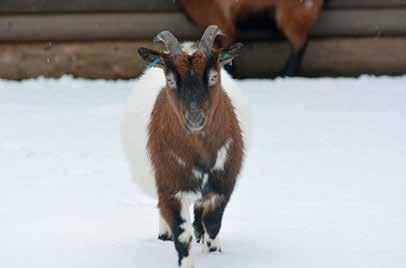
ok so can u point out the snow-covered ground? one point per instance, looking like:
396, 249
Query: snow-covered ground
324, 183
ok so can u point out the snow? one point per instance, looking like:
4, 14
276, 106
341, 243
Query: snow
324, 184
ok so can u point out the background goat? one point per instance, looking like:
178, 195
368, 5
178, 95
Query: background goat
184, 132
293, 17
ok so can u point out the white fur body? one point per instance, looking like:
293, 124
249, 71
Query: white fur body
137, 117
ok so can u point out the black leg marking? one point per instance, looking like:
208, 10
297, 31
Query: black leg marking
165, 237
294, 63
182, 246
212, 222
197, 224
212, 225
175, 213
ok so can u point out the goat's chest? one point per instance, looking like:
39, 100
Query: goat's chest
209, 156
191, 164
208, 162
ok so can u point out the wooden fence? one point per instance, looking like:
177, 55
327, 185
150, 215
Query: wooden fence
99, 38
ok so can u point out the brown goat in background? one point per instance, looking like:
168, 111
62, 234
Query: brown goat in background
294, 18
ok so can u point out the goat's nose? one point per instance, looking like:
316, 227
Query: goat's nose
196, 116
193, 106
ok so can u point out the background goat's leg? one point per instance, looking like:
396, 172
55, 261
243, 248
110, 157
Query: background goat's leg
294, 62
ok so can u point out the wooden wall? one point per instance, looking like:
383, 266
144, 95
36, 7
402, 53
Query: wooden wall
99, 38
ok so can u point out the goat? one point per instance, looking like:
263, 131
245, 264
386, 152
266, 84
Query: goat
293, 17
184, 133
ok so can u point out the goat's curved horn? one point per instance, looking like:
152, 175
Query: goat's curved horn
207, 41
170, 41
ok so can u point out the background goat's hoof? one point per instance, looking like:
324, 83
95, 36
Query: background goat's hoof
165, 237
288, 71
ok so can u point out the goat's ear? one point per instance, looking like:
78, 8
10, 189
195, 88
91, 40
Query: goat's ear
154, 58
227, 55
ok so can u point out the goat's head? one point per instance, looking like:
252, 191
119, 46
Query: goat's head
193, 82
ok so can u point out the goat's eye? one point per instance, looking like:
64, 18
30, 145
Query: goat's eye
213, 77
170, 80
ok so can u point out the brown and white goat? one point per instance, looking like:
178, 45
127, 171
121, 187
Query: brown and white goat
293, 17
184, 133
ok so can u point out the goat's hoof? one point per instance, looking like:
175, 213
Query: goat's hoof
214, 249
165, 237
186, 262
211, 246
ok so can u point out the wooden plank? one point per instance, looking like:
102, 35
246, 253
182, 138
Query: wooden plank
348, 57
384, 22
145, 26
87, 6
351, 4
106, 60
114, 60
94, 26
94, 6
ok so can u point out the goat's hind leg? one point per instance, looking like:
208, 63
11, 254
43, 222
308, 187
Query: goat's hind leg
294, 62
165, 232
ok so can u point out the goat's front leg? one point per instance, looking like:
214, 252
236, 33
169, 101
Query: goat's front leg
213, 209
176, 214
197, 223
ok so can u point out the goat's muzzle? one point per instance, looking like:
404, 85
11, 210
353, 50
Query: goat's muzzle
195, 120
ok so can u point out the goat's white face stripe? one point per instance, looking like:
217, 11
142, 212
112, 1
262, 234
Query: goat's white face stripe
222, 156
